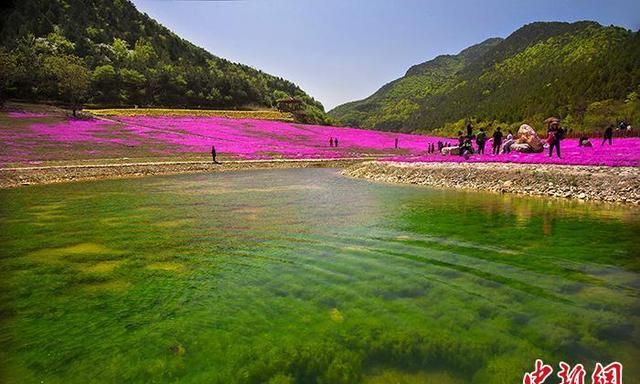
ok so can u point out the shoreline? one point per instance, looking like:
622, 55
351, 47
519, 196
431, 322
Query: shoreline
586, 183
15, 177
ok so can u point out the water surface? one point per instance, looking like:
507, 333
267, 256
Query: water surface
306, 276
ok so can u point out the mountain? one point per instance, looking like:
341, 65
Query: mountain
129, 59
586, 73
393, 104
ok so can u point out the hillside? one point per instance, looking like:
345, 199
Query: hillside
107, 53
585, 73
393, 104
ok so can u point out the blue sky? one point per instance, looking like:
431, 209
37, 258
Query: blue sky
344, 50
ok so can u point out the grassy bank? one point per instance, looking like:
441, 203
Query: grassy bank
231, 114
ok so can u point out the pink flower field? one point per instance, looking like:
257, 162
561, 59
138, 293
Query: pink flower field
35, 138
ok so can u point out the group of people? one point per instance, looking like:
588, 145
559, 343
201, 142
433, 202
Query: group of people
503, 144
624, 128
465, 142
333, 142
607, 136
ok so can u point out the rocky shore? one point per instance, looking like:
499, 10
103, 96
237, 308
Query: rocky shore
609, 184
22, 176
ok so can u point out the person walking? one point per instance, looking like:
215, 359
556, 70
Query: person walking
335, 142
608, 135
396, 143
497, 141
556, 134
469, 130
213, 154
481, 138
331, 141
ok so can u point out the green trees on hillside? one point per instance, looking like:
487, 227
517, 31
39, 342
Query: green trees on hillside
119, 57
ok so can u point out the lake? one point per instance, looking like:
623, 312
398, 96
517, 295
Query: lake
304, 275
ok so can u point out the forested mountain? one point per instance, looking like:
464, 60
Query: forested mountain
106, 52
586, 73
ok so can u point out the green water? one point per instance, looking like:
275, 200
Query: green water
306, 276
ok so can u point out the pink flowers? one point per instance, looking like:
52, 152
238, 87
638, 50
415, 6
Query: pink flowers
138, 137
623, 152
248, 138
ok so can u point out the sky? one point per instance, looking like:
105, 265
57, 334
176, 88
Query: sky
344, 50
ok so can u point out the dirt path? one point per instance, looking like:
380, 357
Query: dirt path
11, 177
189, 162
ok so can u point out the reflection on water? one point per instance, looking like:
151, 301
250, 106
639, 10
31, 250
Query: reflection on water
305, 276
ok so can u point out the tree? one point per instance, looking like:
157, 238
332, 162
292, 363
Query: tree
7, 73
143, 55
71, 76
104, 83
121, 51
55, 43
133, 85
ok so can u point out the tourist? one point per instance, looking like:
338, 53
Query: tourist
481, 138
622, 127
335, 142
506, 147
584, 142
331, 141
469, 130
396, 143
497, 141
466, 148
555, 135
213, 154
608, 135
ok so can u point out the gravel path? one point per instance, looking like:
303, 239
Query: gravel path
12, 177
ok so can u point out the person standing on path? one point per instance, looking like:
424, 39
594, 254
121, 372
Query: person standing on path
396, 143
481, 138
608, 135
335, 142
556, 135
213, 154
497, 141
331, 141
